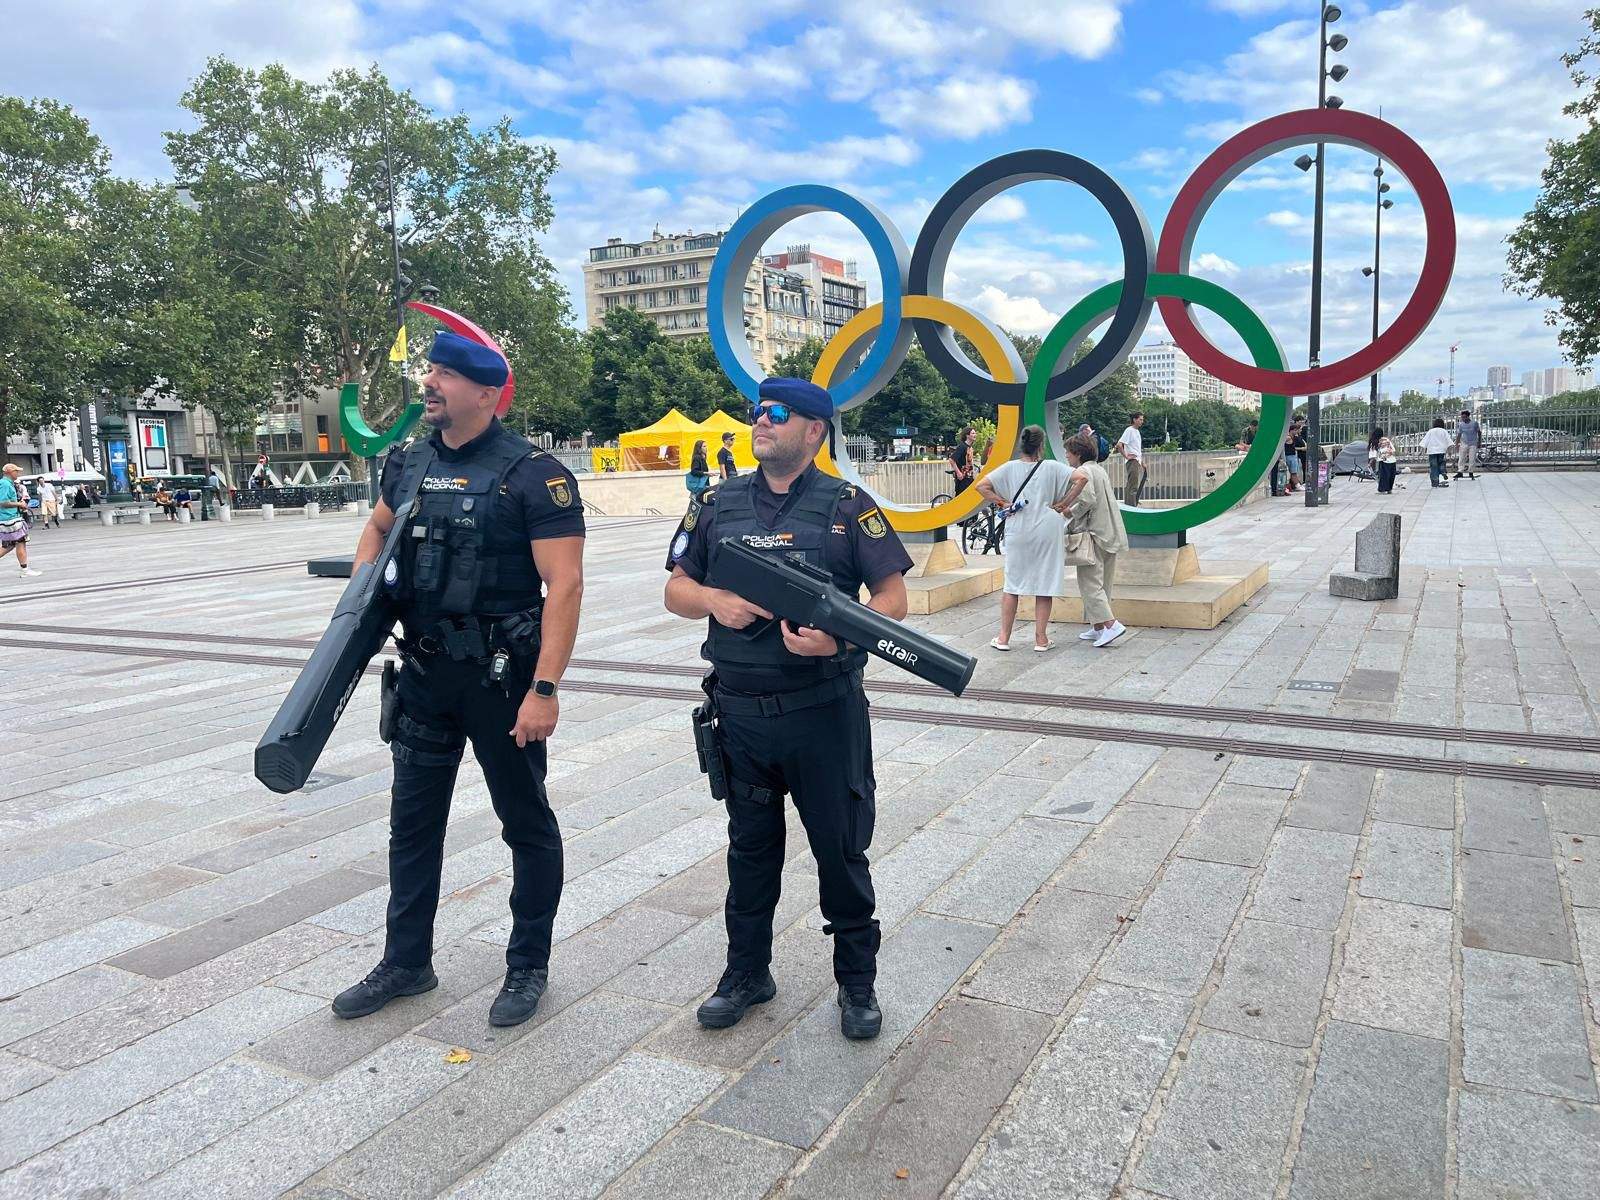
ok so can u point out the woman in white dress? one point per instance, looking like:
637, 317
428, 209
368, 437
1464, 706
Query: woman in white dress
1028, 487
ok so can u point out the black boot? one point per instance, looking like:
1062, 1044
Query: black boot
385, 982
519, 995
860, 1017
736, 993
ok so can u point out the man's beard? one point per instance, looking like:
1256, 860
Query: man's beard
435, 420
782, 459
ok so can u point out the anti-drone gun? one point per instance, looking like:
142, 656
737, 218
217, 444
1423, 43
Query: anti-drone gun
362, 620
793, 590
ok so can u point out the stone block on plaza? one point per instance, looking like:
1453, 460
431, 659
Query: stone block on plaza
144, 516
1377, 573
184, 516
267, 511
224, 512
107, 518
313, 510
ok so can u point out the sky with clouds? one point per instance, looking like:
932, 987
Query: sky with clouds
680, 113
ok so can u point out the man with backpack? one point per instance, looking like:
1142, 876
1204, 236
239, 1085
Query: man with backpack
1102, 447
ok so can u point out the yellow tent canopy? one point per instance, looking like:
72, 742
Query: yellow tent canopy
668, 445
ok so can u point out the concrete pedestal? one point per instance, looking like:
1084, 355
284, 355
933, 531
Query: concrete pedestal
184, 516
224, 512
1168, 588
267, 512
313, 510
363, 507
144, 516
107, 518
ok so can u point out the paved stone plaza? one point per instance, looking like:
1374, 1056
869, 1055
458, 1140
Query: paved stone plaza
1131, 948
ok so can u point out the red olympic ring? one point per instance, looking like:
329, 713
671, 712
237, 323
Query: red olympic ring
1242, 151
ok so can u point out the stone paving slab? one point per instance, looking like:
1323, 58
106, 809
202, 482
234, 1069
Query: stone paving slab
1151, 948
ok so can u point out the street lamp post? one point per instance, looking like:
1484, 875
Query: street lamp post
1330, 13
1380, 202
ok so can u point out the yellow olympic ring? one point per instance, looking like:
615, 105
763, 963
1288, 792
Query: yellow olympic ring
1003, 367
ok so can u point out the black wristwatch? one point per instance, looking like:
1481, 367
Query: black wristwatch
544, 687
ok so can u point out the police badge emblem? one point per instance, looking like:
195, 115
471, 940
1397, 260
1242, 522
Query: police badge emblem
560, 493
873, 524
692, 517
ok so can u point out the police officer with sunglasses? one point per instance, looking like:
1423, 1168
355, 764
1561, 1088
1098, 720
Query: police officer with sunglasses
791, 711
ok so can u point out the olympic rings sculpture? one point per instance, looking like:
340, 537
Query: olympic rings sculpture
1155, 273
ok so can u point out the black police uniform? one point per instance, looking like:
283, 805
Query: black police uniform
792, 724
469, 592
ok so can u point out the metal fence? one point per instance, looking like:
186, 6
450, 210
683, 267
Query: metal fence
1532, 433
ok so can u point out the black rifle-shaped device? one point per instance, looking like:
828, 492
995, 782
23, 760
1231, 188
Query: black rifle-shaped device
362, 621
793, 590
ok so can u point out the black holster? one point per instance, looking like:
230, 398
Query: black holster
389, 702
708, 747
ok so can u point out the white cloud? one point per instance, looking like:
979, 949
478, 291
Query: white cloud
1149, 95
1002, 209
1015, 314
1214, 264
959, 107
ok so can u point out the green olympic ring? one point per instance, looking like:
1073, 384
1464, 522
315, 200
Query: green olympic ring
361, 437
1258, 339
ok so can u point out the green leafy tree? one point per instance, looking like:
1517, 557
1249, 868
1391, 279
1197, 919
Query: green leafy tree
290, 179
1555, 252
50, 164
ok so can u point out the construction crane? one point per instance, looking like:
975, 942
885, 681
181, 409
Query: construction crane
1453, 350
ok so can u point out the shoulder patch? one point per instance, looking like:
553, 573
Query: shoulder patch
560, 493
872, 523
691, 518
847, 492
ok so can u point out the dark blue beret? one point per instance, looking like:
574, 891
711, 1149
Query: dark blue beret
804, 397
467, 357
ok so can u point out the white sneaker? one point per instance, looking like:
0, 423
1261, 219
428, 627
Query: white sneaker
1107, 636
1089, 634
30, 571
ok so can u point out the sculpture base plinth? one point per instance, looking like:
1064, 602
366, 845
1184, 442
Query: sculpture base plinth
1198, 596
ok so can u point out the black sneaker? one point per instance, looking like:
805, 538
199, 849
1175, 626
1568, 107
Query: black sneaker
519, 995
384, 983
1457, 475
860, 1018
736, 993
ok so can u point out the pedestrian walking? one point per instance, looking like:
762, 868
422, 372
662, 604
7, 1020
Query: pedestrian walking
1436, 444
725, 465
1095, 518
789, 709
1380, 453
488, 583
49, 503
1469, 436
1131, 446
1028, 488
13, 519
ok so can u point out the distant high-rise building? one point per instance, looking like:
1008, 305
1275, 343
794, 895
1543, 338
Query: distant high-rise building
787, 297
1167, 373
1533, 383
1499, 377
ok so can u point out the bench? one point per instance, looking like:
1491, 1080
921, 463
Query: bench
1377, 573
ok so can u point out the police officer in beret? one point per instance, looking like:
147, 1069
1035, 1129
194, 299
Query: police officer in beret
488, 587
792, 712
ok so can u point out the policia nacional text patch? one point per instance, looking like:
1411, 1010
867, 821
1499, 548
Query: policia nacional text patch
873, 524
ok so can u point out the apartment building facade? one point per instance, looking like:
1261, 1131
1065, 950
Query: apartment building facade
1167, 373
787, 297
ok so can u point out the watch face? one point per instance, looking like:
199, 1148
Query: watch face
543, 687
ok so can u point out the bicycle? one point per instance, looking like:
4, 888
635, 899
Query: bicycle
1492, 458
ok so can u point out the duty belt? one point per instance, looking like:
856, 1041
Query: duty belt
477, 638
775, 705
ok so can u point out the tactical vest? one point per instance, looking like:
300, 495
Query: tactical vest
448, 566
802, 530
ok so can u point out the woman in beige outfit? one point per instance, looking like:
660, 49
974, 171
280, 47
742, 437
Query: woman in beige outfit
1092, 508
